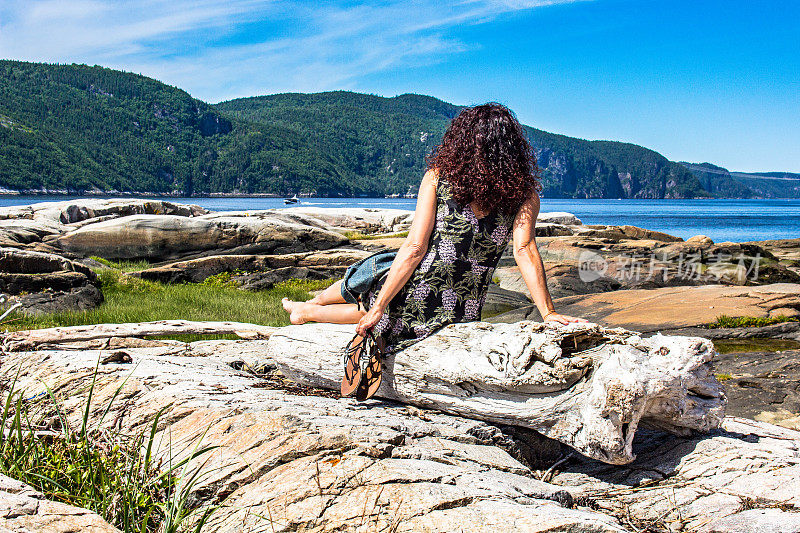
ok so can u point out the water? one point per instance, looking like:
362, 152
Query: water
722, 220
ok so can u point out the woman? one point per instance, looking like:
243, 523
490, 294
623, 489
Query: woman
481, 188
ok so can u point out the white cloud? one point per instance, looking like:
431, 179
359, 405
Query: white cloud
218, 49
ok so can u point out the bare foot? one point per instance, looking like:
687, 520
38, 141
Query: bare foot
295, 310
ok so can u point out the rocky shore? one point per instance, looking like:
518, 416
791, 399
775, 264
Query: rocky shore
293, 457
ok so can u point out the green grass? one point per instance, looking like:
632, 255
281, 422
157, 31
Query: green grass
125, 266
113, 474
358, 236
724, 321
129, 299
305, 285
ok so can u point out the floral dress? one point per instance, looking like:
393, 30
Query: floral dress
450, 283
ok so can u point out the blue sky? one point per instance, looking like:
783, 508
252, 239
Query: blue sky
701, 80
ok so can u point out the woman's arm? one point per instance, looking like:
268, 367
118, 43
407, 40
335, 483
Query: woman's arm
410, 253
530, 263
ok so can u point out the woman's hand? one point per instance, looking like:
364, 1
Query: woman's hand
562, 319
369, 320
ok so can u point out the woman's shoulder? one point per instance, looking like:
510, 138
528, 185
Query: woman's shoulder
438, 182
432, 175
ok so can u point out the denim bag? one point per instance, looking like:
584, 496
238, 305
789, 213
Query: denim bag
360, 277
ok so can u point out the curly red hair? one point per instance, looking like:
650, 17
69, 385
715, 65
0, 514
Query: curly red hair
487, 159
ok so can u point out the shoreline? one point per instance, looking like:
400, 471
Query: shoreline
103, 195
723, 220
6, 193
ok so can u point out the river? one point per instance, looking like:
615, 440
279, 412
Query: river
722, 220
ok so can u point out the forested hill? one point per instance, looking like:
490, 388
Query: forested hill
722, 183
75, 128
387, 138
78, 128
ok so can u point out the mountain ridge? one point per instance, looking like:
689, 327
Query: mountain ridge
734, 184
76, 129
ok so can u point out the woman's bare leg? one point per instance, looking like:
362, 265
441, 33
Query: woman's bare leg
302, 312
331, 295
328, 306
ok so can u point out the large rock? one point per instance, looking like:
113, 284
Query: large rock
673, 308
16, 232
581, 384
161, 237
45, 283
499, 300
563, 279
559, 217
82, 209
366, 220
788, 249
332, 262
705, 484
648, 263
23, 509
303, 460
27, 226
670, 308
789, 330
311, 462
370, 220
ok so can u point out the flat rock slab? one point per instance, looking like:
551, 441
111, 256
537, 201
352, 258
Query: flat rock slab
762, 385
563, 279
671, 308
642, 260
785, 249
82, 209
37, 282
357, 218
162, 237
385, 220
23, 509
290, 462
701, 485
755, 520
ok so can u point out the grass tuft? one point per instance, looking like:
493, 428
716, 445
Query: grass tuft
724, 321
223, 280
99, 470
125, 266
358, 236
306, 285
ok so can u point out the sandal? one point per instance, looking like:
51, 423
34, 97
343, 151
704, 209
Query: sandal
371, 369
353, 353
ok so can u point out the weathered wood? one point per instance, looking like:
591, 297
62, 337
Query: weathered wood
581, 384
29, 339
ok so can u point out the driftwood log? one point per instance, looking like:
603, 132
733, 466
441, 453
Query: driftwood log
581, 384
30, 339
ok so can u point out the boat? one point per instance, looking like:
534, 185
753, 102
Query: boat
293, 200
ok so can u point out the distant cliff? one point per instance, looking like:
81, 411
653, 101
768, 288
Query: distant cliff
722, 183
77, 129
